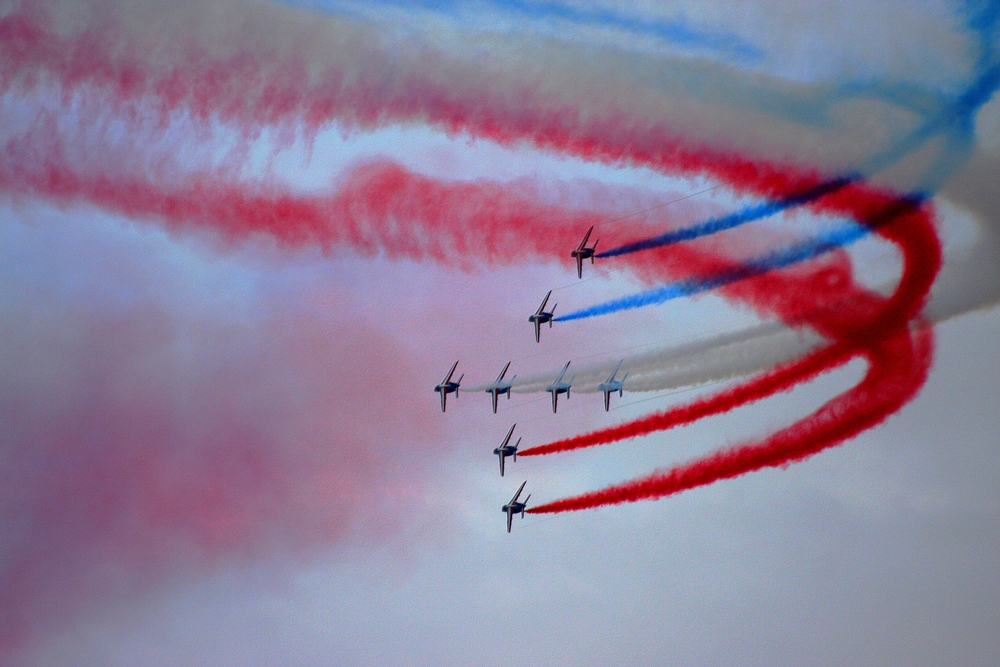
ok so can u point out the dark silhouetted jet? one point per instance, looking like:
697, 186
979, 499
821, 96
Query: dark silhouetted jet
448, 387
612, 385
541, 317
500, 387
559, 387
582, 252
514, 507
506, 449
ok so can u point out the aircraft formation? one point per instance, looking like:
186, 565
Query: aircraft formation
559, 385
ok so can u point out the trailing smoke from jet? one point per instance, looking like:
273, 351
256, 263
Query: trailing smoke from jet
772, 261
898, 366
733, 220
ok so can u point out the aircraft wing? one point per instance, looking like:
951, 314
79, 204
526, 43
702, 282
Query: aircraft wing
521, 488
502, 373
541, 308
615, 372
562, 374
509, 433
447, 378
583, 243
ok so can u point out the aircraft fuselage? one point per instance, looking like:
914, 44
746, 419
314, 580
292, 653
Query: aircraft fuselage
444, 390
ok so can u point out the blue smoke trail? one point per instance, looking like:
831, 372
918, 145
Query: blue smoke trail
779, 259
722, 223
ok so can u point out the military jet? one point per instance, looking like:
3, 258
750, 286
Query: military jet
612, 385
514, 507
582, 252
559, 387
500, 387
506, 449
541, 317
448, 387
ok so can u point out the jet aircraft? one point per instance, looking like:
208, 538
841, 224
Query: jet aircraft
500, 387
541, 317
582, 252
514, 507
448, 387
612, 385
506, 449
559, 387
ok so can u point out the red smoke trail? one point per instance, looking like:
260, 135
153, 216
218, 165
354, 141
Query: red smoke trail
378, 208
898, 368
254, 86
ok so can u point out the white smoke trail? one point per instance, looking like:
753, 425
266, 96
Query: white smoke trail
717, 358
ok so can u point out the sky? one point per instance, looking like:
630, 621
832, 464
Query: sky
242, 241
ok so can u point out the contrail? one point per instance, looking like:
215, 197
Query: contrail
705, 360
